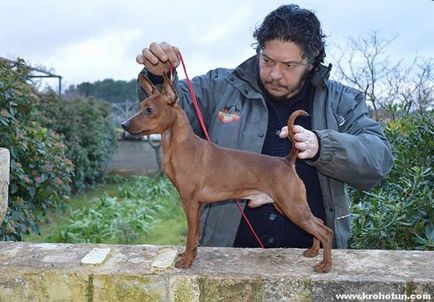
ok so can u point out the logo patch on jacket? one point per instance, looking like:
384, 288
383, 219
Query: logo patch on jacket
229, 114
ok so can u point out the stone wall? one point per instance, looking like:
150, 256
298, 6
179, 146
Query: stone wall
133, 157
4, 182
87, 272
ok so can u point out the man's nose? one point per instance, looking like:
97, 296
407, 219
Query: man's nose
276, 72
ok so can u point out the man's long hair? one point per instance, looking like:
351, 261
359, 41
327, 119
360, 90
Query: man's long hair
294, 24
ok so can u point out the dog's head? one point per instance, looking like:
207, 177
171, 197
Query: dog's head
156, 112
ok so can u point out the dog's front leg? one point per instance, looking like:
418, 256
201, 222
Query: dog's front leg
192, 209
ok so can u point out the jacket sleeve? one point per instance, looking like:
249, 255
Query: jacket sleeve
357, 153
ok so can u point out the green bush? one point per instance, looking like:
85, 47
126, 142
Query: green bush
89, 134
399, 213
127, 218
40, 170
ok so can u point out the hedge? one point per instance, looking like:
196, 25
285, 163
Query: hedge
57, 148
40, 170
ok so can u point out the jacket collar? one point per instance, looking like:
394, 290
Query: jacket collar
320, 75
248, 72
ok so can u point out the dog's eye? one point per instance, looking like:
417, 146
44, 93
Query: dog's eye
149, 110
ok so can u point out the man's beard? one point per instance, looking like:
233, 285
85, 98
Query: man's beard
292, 91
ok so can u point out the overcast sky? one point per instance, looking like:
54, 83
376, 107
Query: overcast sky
86, 40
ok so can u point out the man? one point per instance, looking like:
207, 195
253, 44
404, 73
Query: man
247, 107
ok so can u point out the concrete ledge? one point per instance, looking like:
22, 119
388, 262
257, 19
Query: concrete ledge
55, 272
4, 181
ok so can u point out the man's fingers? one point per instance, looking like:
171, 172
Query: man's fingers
172, 54
140, 59
164, 53
302, 146
305, 141
297, 129
147, 57
305, 155
158, 57
156, 51
284, 132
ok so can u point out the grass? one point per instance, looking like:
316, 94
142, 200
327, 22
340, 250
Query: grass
125, 210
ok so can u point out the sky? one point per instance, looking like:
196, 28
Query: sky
86, 40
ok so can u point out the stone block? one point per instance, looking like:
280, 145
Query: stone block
43, 286
4, 181
221, 288
184, 289
288, 290
131, 288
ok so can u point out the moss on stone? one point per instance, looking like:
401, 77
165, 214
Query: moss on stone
307, 297
89, 291
184, 289
128, 288
43, 286
409, 288
231, 289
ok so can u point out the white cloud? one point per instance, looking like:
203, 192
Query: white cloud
98, 58
222, 29
93, 40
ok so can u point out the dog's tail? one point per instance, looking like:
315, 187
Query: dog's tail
292, 156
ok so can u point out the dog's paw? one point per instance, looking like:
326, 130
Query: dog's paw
311, 253
184, 261
322, 267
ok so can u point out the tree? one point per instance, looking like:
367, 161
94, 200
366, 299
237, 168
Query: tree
108, 90
391, 87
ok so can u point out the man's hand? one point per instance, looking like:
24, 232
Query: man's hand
158, 57
305, 141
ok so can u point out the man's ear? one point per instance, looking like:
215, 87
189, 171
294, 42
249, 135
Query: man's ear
147, 85
169, 91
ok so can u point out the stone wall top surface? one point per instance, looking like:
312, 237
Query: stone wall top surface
353, 265
129, 273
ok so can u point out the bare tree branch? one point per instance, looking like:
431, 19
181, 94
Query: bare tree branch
388, 86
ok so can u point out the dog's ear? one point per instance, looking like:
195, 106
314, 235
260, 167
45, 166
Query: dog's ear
169, 91
147, 85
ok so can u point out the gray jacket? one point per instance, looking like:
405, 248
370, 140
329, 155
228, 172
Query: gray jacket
354, 149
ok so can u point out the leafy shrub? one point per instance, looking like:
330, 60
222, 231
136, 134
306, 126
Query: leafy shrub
109, 220
88, 129
126, 218
40, 170
399, 213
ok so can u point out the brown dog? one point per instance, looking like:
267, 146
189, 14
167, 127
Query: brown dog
224, 173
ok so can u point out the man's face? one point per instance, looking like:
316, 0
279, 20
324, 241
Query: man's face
282, 69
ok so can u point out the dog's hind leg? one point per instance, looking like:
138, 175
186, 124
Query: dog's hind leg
323, 235
300, 214
314, 249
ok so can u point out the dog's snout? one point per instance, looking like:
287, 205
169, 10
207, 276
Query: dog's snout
124, 125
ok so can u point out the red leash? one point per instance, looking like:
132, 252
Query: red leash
195, 103
205, 132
